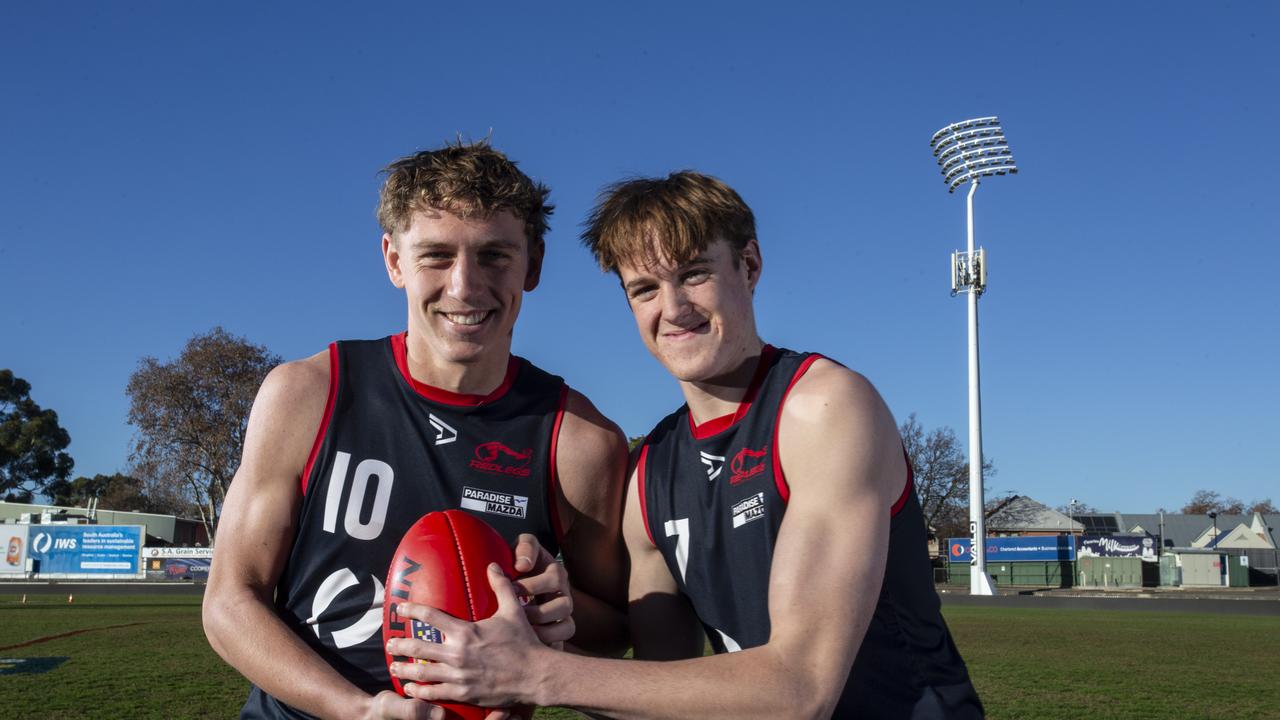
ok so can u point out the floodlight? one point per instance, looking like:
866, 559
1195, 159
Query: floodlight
967, 151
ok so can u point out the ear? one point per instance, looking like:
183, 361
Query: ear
752, 262
391, 257
534, 273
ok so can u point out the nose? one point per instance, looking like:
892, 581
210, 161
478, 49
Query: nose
674, 303
465, 279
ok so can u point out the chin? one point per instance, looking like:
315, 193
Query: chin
688, 367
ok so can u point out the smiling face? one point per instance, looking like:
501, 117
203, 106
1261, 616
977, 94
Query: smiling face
463, 279
696, 317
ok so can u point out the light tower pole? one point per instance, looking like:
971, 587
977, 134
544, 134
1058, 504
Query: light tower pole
967, 151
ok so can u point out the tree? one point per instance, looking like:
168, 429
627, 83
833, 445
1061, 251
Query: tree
1079, 508
1207, 501
1263, 506
191, 414
941, 476
113, 492
32, 443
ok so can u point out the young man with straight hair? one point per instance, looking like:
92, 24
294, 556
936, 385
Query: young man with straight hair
773, 512
345, 450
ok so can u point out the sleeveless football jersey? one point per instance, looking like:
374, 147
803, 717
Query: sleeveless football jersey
390, 450
713, 497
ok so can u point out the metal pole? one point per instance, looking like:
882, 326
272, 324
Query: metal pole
979, 581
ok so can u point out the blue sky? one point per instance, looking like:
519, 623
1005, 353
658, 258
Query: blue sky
169, 167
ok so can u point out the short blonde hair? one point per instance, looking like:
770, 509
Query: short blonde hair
674, 218
467, 180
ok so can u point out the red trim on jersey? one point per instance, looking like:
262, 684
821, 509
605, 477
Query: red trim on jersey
328, 415
718, 425
445, 396
911, 483
644, 509
779, 477
553, 477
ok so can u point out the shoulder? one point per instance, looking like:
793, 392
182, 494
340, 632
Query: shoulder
833, 403
829, 391
587, 438
298, 383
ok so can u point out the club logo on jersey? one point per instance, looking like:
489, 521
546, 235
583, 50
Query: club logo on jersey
747, 464
494, 457
445, 433
750, 509
714, 463
494, 503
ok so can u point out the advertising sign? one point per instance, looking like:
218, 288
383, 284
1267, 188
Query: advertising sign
186, 568
14, 538
1139, 546
1013, 549
86, 549
177, 552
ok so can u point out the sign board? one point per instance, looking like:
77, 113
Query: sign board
1139, 546
14, 538
85, 549
177, 552
186, 568
1014, 549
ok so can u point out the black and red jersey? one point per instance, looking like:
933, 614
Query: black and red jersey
713, 497
390, 450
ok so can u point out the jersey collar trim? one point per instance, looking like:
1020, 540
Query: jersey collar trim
447, 397
715, 426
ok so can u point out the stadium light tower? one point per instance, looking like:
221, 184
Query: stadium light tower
967, 151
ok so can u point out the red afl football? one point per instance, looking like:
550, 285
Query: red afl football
442, 561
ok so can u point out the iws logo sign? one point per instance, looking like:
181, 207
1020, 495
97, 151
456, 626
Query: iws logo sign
498, 459
356, 632
445, 433
44, 541
747, 464
714, 463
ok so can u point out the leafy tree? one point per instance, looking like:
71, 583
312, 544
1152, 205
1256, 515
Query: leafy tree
941, 476
633, 443
191, 414
32, 443
113, 492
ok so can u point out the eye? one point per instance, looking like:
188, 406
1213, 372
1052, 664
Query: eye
640, 293
695, 276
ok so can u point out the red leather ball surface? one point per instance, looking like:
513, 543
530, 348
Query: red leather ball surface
442, 561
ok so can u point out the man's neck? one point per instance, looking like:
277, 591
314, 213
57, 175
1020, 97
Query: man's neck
718, 396
474, 378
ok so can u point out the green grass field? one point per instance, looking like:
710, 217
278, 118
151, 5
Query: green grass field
142, 657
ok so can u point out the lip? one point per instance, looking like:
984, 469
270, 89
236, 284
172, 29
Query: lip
461, 329
684, 334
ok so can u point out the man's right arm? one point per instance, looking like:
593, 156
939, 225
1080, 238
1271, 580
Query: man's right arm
255, 536
663, 624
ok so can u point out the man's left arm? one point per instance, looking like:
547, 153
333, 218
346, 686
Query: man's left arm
591, 464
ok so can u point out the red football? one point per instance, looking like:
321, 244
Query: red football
442, 562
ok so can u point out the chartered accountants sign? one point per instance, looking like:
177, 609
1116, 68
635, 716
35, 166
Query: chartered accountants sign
1012, 549
85, 549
